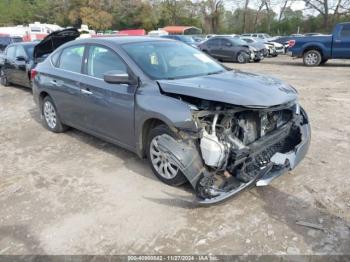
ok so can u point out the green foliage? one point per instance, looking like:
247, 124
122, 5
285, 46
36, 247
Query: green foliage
210, 15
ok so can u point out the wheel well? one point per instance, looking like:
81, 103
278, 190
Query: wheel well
146, 128
42, 96
313, 48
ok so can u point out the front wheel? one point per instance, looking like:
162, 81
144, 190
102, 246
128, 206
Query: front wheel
241, 58
3, 78
312, 58
161, 166
51, 119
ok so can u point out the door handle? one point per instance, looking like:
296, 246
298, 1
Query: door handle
86, 92
337, 41
54, 83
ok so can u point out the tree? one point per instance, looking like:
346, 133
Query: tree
212, 12
96, 19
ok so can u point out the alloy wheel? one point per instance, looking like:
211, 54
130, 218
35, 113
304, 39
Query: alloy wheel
311, 58
161, 162
50, 114
241, 58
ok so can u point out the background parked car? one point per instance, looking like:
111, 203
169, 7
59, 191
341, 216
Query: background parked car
262, 36
267, 39
5, 40
18, 62
198, 38
183, 38
227, 49
257, 44
20, 58
316, 50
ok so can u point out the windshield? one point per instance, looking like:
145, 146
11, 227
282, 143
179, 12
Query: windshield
248, 40
171, 60
238, 41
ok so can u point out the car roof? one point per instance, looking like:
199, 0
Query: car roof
8, 36
25, 43
120, 40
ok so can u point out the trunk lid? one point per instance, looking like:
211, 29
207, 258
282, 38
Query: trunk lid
52, 41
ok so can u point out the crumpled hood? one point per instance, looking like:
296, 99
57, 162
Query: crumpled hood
234, 87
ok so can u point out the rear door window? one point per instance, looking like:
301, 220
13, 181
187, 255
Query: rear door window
345, 32
20, 52
102, 60
11, 53
71, 58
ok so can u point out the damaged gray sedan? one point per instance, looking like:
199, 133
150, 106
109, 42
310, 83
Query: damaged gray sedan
195, 120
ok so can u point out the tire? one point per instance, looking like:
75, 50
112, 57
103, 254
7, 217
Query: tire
3, 78
51, 119
162, 169
241, 58
257, 60
312, 58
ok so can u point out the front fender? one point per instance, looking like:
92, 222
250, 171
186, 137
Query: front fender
151, 104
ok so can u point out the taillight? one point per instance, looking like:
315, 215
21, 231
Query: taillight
33, 73
291, 43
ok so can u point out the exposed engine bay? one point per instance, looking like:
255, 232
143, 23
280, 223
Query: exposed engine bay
238, 147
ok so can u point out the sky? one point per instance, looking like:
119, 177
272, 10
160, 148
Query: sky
296, 5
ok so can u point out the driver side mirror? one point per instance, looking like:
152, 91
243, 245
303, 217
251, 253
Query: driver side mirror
118, 77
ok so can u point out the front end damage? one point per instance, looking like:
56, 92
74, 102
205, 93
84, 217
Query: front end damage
238, 147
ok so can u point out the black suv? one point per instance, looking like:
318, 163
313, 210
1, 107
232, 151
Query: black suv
19, 59
5, 40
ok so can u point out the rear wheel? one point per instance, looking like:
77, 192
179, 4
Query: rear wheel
3, 78
51, 119
312, 58
161, 167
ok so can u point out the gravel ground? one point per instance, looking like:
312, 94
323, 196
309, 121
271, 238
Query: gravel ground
74, 194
